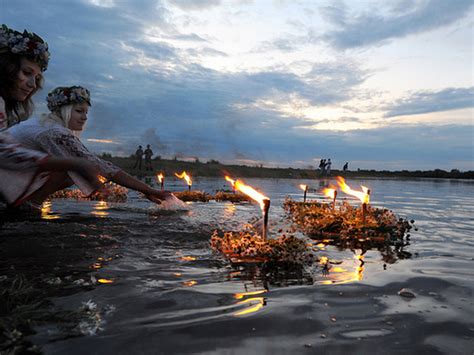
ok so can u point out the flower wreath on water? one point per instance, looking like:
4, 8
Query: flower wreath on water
27, 44
61, 96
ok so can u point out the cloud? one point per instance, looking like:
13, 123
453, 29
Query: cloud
375, 28
432, 101
146, 87
194, 5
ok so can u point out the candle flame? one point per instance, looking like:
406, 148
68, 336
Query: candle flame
303, 187
160, 177
249, 191
329, 192
102, 179
363, 195
185, 176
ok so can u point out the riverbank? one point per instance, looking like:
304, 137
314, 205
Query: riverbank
216, 169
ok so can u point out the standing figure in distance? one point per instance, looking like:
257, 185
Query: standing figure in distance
148, 154
138, 158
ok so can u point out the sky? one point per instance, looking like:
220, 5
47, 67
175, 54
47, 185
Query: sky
386, 85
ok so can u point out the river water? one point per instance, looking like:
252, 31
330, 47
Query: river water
153, 285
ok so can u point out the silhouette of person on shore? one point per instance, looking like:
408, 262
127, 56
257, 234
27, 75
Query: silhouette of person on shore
148, 154
328, 167
322, 166
138, 158
346, 166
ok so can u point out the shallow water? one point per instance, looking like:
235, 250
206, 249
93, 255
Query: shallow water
168, 293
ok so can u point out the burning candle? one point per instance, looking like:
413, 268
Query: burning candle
263, 200
305, 189
161, 179
332, 194
363, 196
186, 177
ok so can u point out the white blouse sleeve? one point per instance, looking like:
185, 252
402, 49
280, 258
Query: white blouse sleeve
61, 143
15, 157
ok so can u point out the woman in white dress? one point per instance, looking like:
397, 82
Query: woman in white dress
57, 134
24, 57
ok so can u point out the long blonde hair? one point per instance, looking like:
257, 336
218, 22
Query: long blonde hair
62, 115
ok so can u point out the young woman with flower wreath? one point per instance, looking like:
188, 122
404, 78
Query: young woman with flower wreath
23, 58
57, 134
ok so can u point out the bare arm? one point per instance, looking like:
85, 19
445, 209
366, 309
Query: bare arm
124, 179
87, 170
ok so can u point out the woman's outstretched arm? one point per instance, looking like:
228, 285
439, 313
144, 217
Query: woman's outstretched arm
124, 179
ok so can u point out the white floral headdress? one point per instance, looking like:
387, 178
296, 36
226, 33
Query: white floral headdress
67, 95
27, 43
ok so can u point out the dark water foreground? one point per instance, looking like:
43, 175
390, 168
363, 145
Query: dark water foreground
97, 278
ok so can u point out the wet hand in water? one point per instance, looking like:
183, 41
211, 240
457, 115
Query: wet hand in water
159, 196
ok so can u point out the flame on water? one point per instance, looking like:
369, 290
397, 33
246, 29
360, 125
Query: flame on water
303, 187
329, 192
249, 191
160, 177
186, 177
363, 195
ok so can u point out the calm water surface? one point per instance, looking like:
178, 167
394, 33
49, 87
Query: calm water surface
170, 294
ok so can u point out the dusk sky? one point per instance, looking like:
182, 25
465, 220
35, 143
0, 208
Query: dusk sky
380, 84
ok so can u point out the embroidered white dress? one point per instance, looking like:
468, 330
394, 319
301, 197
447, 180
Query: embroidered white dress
17, 164
58, 141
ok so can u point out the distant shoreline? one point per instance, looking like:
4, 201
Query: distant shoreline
216, 169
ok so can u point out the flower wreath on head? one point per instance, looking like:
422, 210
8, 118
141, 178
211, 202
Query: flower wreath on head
27, 44
61, 96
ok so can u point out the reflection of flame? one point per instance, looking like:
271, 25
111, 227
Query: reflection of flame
363, 195
241, 295
303, 187
186, 177
329, 192
46, 211
190, 283
249, 191
255, 308
100, 209
160, 177
359, 273
188, 258
229, 210
338, 275
105, 281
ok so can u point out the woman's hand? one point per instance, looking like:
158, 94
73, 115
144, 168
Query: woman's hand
157, 196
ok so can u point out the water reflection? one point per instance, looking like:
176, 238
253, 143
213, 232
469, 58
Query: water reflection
336, 275
100, 209
46, 211
229, 210
256, 303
